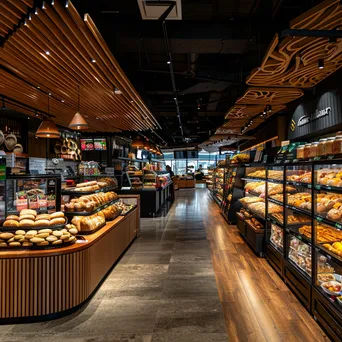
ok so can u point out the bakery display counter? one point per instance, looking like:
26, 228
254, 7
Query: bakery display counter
45, 284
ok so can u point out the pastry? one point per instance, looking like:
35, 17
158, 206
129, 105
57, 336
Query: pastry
69, 207
85, 184
11, 223
334, 214
79, 206
26, 223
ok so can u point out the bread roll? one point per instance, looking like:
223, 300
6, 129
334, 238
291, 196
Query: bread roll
26, 223
20, 232
69, 207
11, 223
3, 244
15, 244
42, 223
43, 217
57, 242
26, 217
57, 233
43, 243
6, 236
12, 217
57, 221
27, 244
42, 235
85, 184
51, 238
57, 214
41, 231
28, 212
37, 240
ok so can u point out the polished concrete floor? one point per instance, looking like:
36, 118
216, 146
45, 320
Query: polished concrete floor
188, 277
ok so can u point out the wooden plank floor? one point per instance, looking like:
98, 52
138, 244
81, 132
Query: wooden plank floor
257, 304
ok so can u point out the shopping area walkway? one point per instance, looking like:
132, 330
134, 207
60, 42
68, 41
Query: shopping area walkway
189, 277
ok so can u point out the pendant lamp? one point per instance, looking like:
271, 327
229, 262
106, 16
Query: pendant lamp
147, 145
138, 143
48, 128
78, 123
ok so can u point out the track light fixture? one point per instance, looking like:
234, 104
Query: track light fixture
117, 91
320, 63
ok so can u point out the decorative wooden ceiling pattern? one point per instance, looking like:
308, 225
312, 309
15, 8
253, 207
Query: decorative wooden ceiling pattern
11, 13
54, 51
240, 111
293, 62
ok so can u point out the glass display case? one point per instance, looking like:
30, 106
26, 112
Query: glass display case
146, 179
218, 184
39, 192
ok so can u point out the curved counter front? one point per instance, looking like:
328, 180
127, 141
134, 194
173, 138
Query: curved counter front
44, 284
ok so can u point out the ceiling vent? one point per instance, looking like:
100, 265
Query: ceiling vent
154, 9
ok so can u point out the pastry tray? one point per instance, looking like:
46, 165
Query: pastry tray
86, 213
69, 191
88, 232
56, 227
35, 247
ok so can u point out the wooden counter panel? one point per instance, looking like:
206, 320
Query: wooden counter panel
44, 283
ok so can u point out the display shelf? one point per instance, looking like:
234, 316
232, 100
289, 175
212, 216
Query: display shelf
85, 213
11, 211
253, 179
274, 221
277, 181
334, 189
129, 211
298, 210
252, 193
27, 228
275, 201
331, 223
298, 184
328, 254
82, 193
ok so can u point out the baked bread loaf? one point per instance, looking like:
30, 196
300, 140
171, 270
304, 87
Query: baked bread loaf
28, 212
57, 214
42, 223
26, 217
11, 223
43, 217
26, 223
57, 221
12, 217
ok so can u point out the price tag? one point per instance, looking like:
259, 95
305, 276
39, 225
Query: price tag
331, 157
319, 219
329, 257
309, 186
338, 226
318, 187
295, 161
287, 161
317, 158
299, 237
328, 187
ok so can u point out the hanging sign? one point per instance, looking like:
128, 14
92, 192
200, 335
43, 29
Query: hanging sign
315, 116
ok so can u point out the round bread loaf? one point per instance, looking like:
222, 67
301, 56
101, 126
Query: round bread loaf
12, 217
26, 223
6, 236
11, 223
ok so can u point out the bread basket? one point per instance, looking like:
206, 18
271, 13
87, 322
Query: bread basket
2, 138
10, 141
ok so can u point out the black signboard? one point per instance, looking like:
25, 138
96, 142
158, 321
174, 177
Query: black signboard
315, 116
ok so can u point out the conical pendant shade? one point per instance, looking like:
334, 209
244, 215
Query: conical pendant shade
47, 129
78, 123
138, 143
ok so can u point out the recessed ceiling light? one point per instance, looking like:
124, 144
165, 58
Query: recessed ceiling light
168, 62
62, 101
47, 52
50, 94
132, 101
93, 60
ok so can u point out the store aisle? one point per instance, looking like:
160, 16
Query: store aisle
164, 289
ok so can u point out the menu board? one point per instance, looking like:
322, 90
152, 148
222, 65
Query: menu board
87, 144
100, 144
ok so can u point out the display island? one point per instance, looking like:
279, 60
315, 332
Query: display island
53, 259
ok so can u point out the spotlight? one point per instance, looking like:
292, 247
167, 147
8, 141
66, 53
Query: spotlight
168, 62
62, 101
175, 98
131, 101
270, 109
47, 52
117, 91
320, 63
93, 60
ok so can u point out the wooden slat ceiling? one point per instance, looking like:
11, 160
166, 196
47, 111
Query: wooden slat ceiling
11, 13
293, 62
242, 111
269, 96
53, 52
